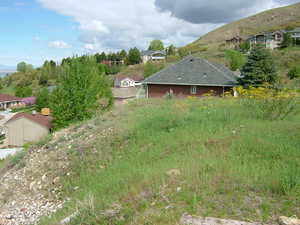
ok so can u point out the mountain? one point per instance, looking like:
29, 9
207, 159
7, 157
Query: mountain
270, 20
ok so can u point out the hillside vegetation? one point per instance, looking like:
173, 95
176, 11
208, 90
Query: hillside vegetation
154, 160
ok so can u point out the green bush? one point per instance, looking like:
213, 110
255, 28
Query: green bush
23, 92
294, 72
152, 68
235, 59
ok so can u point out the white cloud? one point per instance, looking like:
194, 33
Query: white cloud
118, 24
59, 44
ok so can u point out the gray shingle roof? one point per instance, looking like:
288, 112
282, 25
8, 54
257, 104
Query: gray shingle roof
194, 71
151, 52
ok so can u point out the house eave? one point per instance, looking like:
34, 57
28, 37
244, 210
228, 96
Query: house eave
192, 84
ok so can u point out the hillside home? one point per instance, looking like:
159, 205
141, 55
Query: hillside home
270, 40
124, 81
8, 101
192, 76
295, 33
153, 56
24, 127
234, 42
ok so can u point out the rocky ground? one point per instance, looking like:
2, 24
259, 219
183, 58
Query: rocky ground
30, 185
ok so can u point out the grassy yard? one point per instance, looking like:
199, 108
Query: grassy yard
224, 163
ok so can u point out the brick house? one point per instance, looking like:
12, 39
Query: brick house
191, 77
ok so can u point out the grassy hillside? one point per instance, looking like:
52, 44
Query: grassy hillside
154, 160
271, 20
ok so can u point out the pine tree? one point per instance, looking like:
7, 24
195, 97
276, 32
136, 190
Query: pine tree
259, 68
134, 56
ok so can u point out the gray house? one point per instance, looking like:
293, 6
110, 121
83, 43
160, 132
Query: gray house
153, 56
192, 76
270, 40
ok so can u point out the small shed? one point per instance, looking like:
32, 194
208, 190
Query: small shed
24, 127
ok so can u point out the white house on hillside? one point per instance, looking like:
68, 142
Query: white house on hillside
123, 81
153, 56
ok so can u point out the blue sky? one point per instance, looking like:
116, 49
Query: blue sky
28, 29
36, 30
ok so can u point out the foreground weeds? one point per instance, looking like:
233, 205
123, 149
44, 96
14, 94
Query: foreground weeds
164, 158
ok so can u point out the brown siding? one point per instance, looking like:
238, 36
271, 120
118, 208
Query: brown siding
157, 90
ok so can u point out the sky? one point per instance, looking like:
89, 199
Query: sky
37, 30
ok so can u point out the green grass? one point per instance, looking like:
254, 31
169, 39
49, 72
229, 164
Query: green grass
231, 165
8, 90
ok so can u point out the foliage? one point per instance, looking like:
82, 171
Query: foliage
294, 72
287, 40
156, 45
244, 46
23, 92
81, 88
23, 67
134, 56
235, 59
183, 52
259, 68
171, 50
269, 103
43, 99
152, 68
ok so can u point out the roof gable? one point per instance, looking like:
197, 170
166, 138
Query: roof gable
194, 71
38, 118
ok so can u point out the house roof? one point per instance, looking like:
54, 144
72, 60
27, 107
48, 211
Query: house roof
38, 118
8, 98
124, 93
151, 52
194, 71
133, 77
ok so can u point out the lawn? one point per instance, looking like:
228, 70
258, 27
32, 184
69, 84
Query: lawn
222, 162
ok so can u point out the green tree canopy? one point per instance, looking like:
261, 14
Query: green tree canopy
82, 90
171, 50
287, 40
294, 72
156, 45
259, 68
21, 67
235, 59
43, 98
134, 56
23, 92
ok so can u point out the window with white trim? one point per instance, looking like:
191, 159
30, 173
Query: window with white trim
193, 90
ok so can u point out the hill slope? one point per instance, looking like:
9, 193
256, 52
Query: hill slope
275, 19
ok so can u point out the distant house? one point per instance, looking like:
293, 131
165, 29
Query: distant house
9, 101
270, 40
153, 56
192, 76
124, 81
295, 33
234, 42
24, 127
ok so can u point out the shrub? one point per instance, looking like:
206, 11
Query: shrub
235, 59
42, 100
81, 88
294, 72
268, 103
152, 68
23, 92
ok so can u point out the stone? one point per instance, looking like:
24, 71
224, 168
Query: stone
192, 220
56, 180
68, 219
174, 172
283, 220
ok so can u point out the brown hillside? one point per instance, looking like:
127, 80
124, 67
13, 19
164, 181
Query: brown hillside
275, 19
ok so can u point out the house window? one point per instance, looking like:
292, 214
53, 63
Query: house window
194, 90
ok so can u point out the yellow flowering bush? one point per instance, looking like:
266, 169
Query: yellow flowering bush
270, 103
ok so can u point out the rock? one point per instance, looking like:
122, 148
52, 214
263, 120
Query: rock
44, 177
56, 180
174, 172
190, 220
68, 219
32, 185
283, 220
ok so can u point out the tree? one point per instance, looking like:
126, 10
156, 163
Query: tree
23, 92
235, 59
156, 45
294, 72
134, 56
287, 40
171, 50
80, 90
123, 54
245, 46
21, 67
182, 52
43, 98
259, 68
